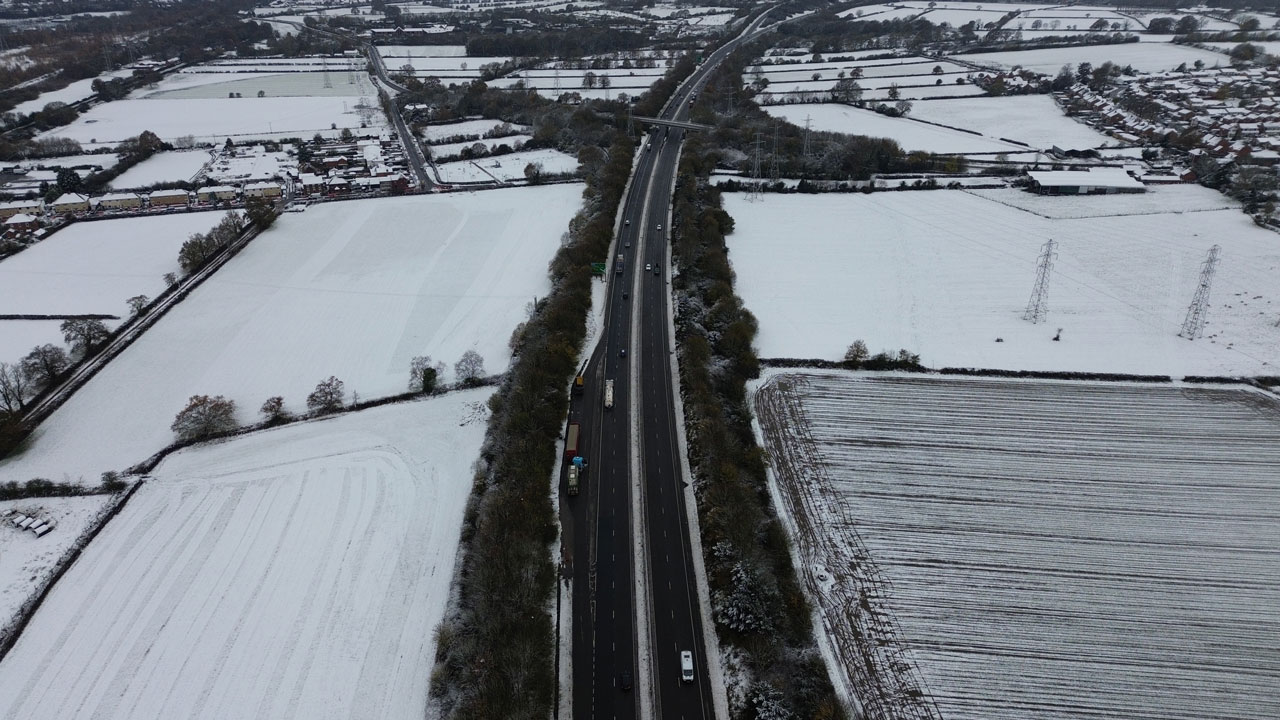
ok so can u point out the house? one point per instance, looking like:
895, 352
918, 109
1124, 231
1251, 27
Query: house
311, 183
68, 203
21, 224
1092, 181
20, 207
118, 201
215, 193
263, 190
162, 198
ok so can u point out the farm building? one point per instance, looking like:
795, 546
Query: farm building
1093, 181
20, 207
215, 193
118, 201
161, 198
262, 189
70, 203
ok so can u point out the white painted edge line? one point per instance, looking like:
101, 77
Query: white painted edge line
719, 690
640, 538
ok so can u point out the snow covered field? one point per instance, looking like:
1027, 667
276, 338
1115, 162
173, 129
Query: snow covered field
505, 168
74, 92
26, 561
945, 273
214, 119
353, 289
1144, 57
1020, 550
1032, 119
219, 85
196, 102
449, 150
911, 135
293, 573
18, 337
436, 133
95, 267
163, 167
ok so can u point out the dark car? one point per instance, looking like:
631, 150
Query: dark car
624, 680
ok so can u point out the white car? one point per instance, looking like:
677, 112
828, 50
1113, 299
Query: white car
648, 267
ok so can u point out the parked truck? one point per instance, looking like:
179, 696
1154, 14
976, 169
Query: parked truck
608, 394
571, 442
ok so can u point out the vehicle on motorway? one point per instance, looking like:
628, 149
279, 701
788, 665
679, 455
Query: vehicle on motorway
622, 352
571, 441
659, 226
648, 267
626, 222
625, 295
608, 394
626, 243
579, 382
573, 479
617, 265
686, 666
624, 680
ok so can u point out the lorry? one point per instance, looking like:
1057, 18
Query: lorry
608, 394
571, 441
617, 264
579, 382
573, 479
686, 666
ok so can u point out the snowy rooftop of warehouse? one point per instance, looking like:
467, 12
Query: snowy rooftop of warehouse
1092, 177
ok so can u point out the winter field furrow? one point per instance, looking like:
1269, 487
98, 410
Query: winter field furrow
1035, 549
293, 573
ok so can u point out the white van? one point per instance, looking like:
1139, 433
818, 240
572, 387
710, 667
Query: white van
686, 666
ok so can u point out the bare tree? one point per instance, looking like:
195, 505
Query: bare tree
44, 364
170, 279
138, 303
84, 335
14, 388
327, 397
469, 367
204, 416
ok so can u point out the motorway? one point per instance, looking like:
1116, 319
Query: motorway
600, 532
